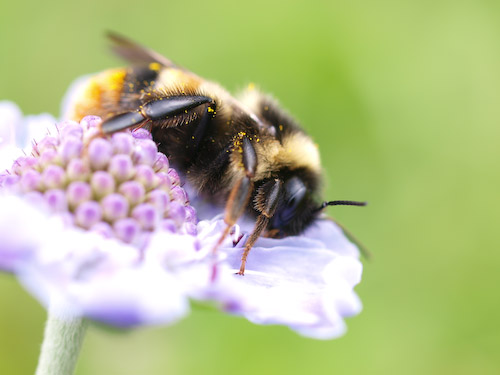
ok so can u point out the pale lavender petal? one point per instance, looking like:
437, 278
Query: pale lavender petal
37, 127
10, 118
190, 228
66, 269
132, 297
8, 153
16, 130
296, 281
326, 231
22, 229
10, 125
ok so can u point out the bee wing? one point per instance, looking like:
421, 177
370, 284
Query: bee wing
134, 52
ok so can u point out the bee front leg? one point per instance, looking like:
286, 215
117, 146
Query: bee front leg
241, 191
160, 110
266, 202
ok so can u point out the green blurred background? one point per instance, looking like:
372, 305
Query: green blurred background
403, 99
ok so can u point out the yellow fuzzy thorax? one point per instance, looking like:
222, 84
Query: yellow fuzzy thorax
296, 151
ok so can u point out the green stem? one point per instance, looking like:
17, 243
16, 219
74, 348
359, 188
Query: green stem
61, 345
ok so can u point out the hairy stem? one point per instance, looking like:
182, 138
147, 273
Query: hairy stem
61, 345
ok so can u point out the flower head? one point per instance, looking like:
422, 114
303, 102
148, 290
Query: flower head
103, 228
119, 186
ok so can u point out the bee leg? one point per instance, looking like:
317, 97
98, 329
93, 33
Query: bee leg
158, 109
163, 108
122, 121
241, 191
236, 205
267, 199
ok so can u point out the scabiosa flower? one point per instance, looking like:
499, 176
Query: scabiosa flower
102, 228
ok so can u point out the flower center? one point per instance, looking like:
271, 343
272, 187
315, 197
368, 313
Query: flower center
119, 186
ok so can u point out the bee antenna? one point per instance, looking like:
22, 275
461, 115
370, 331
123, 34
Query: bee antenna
340, 203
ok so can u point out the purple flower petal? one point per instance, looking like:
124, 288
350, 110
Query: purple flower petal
297, 281
111, 236
153, 297
22, 229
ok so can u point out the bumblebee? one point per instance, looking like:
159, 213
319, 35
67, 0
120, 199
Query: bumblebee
246, 153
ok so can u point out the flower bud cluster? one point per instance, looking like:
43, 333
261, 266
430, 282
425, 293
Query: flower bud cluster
119, 186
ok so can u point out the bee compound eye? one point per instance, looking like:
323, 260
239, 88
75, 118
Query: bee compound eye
295, 191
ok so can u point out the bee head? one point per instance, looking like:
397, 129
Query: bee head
296, 209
